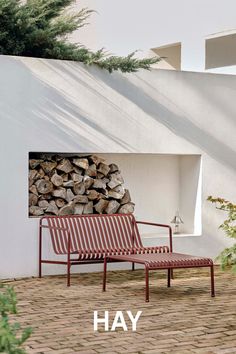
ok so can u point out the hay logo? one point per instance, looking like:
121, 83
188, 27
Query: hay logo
118, 322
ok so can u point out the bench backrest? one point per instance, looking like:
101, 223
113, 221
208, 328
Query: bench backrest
94, 234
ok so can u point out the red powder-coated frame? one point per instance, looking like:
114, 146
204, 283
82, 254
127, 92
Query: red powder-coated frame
124, 239
160, 261
87, 239
187, 261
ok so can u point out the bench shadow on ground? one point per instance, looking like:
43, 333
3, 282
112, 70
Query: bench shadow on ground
185, 283
124, 276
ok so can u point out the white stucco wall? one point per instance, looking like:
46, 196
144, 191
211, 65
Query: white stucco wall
160, 185
190, 204
49, 105
155, 23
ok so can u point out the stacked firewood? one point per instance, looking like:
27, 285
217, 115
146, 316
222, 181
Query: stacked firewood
62, 185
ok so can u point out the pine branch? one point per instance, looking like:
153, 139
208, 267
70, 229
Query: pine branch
128, 63
40, 28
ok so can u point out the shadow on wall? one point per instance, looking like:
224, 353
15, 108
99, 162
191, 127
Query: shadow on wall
71, 127
70, 119
178, 124
221, 99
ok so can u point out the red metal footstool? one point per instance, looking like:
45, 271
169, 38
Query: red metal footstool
167, 261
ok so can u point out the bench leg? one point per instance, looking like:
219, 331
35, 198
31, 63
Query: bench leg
168, 277
133, 266
40, 252
68, 273
40, 269
147, 284
104, 274
212, 282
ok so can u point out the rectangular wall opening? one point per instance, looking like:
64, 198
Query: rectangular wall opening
159, 185
220, 51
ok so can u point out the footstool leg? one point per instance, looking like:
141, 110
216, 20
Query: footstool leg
133, 266
168, 277
147, 284
212, 282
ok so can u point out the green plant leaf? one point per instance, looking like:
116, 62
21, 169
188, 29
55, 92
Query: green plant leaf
228, 256
10, 338
40, 28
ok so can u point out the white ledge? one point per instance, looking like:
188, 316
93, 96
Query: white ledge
156, 236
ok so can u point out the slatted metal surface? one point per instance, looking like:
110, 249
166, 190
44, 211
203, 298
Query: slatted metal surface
94, 236
165, 261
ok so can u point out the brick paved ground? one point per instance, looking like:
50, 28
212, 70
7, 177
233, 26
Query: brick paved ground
182, 319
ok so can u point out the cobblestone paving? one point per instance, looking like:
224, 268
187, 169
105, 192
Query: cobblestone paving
181, 319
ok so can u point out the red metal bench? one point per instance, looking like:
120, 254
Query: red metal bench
86, 239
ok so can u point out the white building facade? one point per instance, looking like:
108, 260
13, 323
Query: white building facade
203, 30
171, 132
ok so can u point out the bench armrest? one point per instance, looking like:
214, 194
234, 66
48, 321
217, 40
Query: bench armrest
160, 225
59, 228
54, 227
